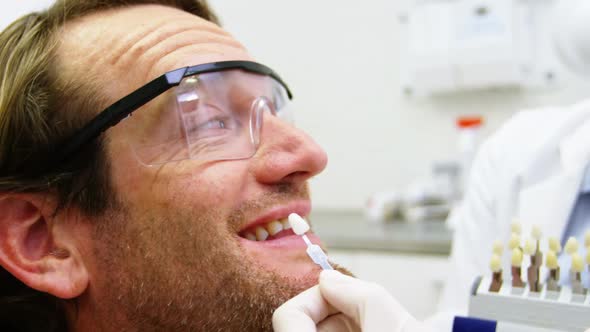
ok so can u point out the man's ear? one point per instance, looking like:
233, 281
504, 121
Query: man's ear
32, 250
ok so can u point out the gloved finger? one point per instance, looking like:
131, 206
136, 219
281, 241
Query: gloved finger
302, 313
368, 304
338, 323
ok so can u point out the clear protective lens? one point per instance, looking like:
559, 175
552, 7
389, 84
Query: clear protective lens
211, 116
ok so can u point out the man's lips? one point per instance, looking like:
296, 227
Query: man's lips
274, 221
281, 234
285, 240
285, 255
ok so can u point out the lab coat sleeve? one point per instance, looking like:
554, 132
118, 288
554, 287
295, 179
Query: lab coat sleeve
485, 212
469, 253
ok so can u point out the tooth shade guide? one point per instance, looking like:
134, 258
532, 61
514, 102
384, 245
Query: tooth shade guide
576, 278
520, 310
514, 241
536, 233
529, 247
306, 240
571, 246
516, 227
553, 280
563, 303
298, 224
495, 263
498, 248
554, 245
533, 277
516, 257
553, 265
516, 279
577, 263
516, 261
496, 267
551, 260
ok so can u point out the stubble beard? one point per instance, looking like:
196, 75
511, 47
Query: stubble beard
184, 271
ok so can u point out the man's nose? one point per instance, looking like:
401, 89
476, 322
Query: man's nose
286, 154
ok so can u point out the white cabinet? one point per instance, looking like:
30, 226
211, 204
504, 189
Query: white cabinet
414, 280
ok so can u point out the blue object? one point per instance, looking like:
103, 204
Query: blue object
577, 224
468, 324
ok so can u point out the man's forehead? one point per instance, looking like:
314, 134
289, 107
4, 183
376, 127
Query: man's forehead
143, 42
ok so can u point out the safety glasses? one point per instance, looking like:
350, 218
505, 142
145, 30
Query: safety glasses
207, 112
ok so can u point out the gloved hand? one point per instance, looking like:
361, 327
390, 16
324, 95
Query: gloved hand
343, 303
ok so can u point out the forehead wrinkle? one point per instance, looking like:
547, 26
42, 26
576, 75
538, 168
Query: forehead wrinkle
162, 33
171, 61
77, 50
174, 56
127, 43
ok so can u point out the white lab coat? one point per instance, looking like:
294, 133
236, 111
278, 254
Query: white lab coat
530, 169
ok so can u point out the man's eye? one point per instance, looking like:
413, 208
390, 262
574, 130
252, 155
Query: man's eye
214, 124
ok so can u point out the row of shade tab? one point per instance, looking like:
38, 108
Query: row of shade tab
531, 248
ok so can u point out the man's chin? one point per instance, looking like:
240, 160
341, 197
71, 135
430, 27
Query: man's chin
285, 257
298, 274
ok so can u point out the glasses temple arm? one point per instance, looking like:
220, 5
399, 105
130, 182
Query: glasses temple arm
114, 114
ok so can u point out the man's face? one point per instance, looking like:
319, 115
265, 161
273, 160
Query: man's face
175, 256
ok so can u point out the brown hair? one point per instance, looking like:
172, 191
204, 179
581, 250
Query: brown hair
37, 112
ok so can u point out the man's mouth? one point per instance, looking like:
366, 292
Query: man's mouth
268, 235
269, 231
273, 224
269, 240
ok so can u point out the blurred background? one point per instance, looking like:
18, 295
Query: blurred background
399, 94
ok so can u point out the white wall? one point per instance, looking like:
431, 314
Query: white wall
11, 10
341, 59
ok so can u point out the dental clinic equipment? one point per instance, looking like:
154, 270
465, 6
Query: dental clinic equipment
317, 255
535, 304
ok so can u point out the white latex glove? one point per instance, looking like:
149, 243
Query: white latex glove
343, 303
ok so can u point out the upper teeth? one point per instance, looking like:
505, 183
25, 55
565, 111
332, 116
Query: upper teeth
261, 234
271, 228
274, 227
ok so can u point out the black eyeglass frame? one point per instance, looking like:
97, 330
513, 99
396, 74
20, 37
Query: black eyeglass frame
125, 106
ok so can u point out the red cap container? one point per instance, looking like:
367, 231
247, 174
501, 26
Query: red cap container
469, 121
